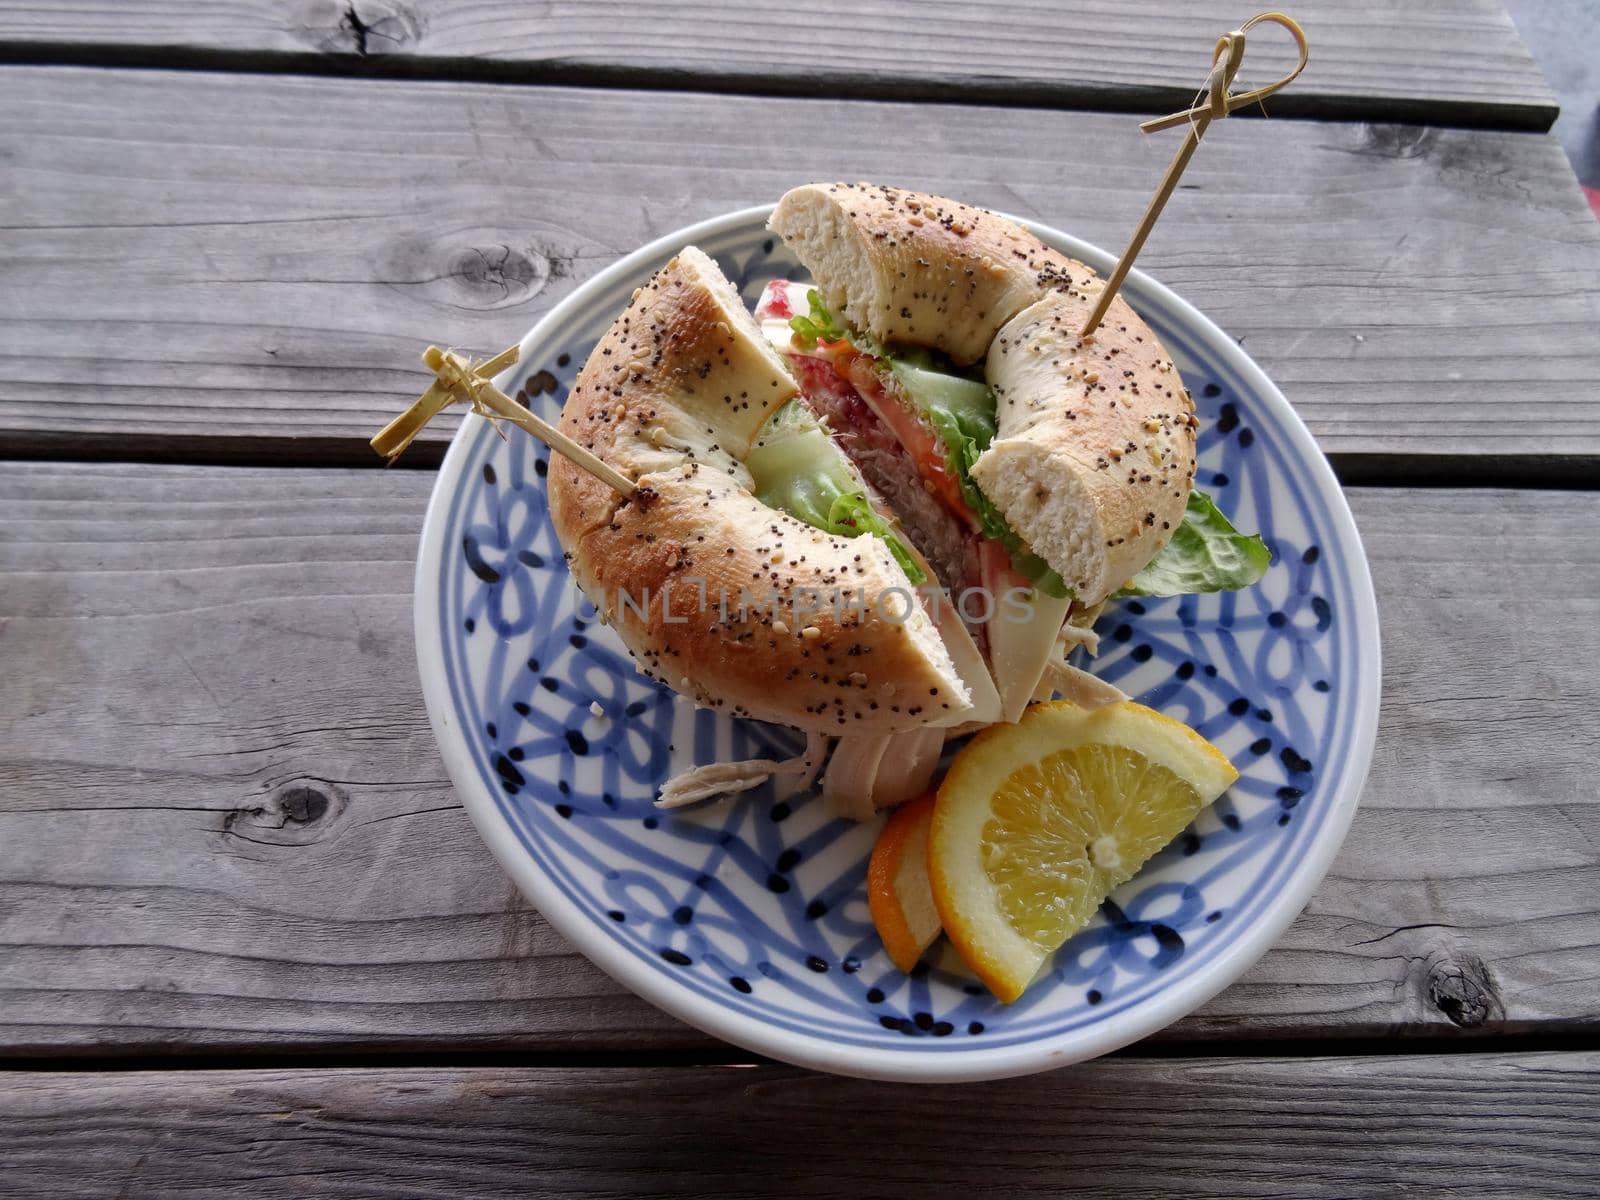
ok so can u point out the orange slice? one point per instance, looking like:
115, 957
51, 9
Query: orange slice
1037, 822
897, 884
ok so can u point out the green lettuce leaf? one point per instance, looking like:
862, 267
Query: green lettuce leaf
851, 514
819, 324
1206, 554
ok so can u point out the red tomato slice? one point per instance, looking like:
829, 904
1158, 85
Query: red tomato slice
924, 446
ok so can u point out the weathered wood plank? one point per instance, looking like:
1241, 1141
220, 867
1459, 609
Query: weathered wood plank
225, 825
1460, 1125
194, 262
1448, 61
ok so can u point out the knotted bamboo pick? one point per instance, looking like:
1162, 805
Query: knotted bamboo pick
1225, 60
459, 382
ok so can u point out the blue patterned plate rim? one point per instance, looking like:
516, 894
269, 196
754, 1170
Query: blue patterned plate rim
923, 1062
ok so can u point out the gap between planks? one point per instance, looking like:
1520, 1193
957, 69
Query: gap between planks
1536, 472
721, 1054
1142, 99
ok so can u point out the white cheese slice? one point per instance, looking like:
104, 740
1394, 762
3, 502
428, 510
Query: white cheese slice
968, 660
1020, 648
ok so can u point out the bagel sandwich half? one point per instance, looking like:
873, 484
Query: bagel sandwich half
752, 574
940, 344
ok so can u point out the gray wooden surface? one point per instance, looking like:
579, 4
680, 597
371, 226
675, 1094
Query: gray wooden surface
1501, 1125
227, 228
226, 824
226, 267
1449, 61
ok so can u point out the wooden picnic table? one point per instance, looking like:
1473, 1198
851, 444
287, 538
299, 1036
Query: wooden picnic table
250, 939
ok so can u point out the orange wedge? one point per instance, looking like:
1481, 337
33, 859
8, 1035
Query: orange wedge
1037, 822
898, 893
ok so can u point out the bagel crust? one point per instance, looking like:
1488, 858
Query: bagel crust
674, 396
1094, 453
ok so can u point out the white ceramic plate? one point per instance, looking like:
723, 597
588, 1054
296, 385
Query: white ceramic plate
748, 918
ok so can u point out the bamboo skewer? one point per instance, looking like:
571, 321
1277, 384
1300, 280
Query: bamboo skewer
458, 381
1225, 60
399, 433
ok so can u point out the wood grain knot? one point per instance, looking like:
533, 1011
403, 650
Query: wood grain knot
496, 276
367, 29
1460, 986
295, 815
478, 269
1396, 141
